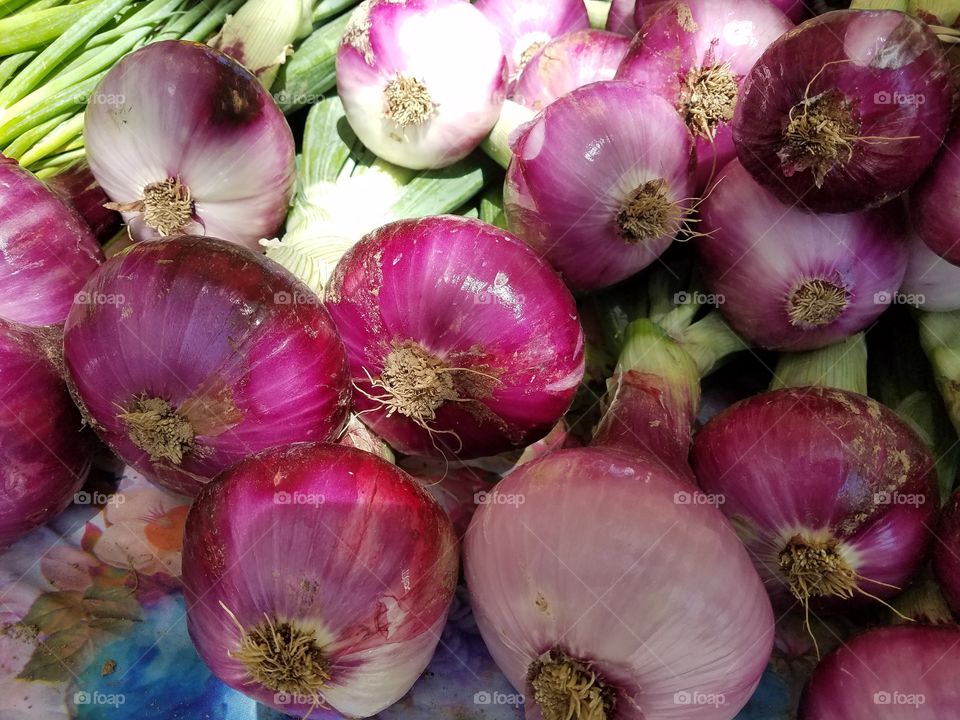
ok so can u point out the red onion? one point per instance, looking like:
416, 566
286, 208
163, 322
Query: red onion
46, 251
422, 81
525, 26
189, 354
946, 553
832, 493
186, 140
847, 111
892, 673
696, 54
460, 340
930, 283
933, 205
600, 182
44, 456
604, 584
568, 62
790, 279
77, 186
318, 579
628, 15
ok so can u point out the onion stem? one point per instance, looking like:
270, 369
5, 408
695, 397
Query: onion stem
842, 365
497, 143
598, 11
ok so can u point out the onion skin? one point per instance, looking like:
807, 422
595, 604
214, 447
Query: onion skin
79, 188
693, 35
177, 109
931, 282
884, 62
567, 62
370, 564
827, 464
577, 163
46, 251
44, 453
627, 15
477, 298
933, 205
946, 554
202, 320
756, 251
891, 673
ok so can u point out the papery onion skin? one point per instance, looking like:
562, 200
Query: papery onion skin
891, 673
331, 539
576, 165
931, 283
933, 202
567, 62
449, 50
44, 452
229, 340
824, 465
680, 40
46, 251
946, 553
475, 298
79, 188
525, 24
887, 93
181, 110
756, 252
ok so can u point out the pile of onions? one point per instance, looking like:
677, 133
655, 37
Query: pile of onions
600, 182
461, 341
946, 554
789, 279
847, 111
46, 251
422, 81
185, 140
568, 62
525, 26
44, 455
891, 673
930, 283
604, 584
831, 492
318, 579
696, 54
189, 354
933, 202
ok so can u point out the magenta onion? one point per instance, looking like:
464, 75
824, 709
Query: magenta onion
847, 111
789, 279
44, 455
422, 81
565, 63
460, 340
930, 283
77, 186
318, 579
600, 182
46, 251
831, 492
605, 585
189, 354
946, 553
525, 26
696, 54
892, 673
626, 16
185, 140
933, 202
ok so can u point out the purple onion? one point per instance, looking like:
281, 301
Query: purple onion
461, 341
946, 553
696, 54
933, 202
79, 188
847, 111
792, 280
44, 453
628, 15
600, 182
930, 283
189, 354
568, 62
46, 251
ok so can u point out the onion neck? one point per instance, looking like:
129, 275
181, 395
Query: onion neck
842, 365
155, 427
497, 143
567, 689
